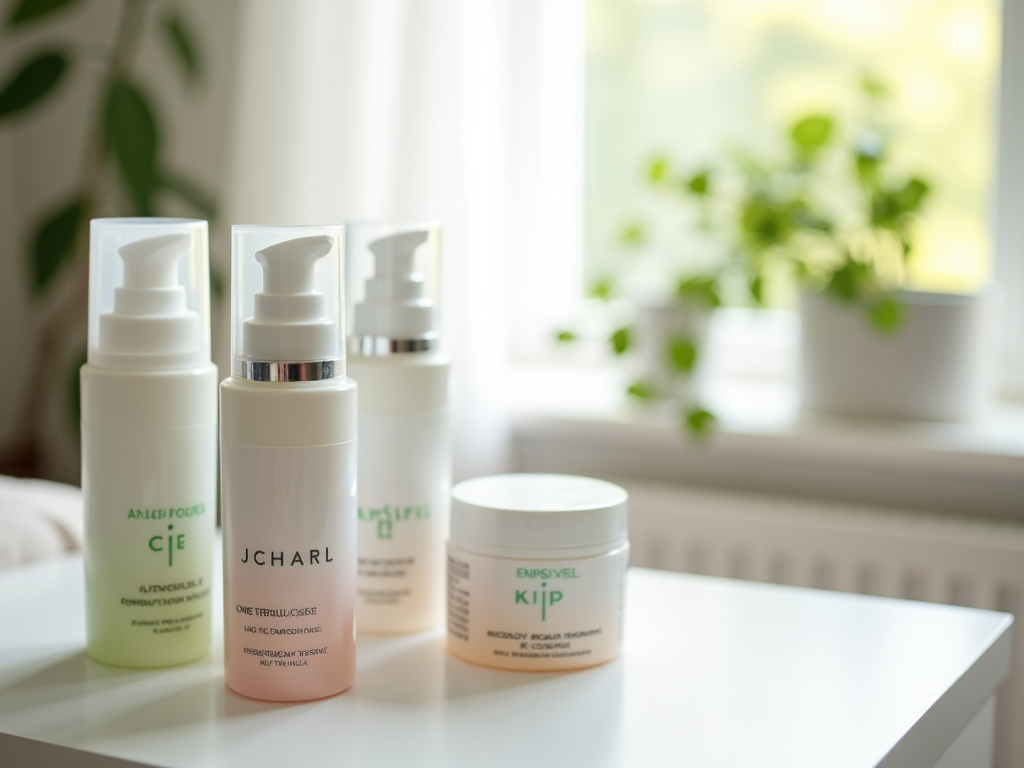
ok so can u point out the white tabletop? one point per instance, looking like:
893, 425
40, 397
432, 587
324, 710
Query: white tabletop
715, 673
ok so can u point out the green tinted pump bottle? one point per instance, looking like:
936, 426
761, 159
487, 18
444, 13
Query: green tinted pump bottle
149, 443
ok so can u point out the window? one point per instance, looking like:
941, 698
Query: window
694, 80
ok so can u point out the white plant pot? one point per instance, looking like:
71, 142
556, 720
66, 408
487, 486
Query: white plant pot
938, 365
656, 326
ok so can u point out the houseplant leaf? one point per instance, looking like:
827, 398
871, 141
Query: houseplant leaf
886, 314
890, 207
682, 354
765, 222
53, 243
700, 290
32, 82
851, 280
602, 289
641, 390
28, 10
179, 38
657, 170
620, 340
911, 195
810, 134
757, 289
699, 422
131, 132
699, 184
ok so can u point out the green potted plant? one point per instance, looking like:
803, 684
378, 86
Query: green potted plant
830, 217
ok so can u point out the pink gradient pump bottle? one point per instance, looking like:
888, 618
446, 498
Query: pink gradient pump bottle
288, 457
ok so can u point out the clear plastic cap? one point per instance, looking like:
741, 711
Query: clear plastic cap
287, 303
149, 293
394, 271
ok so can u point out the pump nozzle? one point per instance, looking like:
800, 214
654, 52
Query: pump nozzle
394, 253
288, 266
150, 319
153, 262
395, 314
289, 320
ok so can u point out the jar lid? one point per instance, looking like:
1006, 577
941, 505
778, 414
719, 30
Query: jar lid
539, 511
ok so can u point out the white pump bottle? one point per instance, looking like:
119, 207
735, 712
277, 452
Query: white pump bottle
404, 446
149, 443
288, 453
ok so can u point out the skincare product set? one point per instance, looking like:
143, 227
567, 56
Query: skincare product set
534, 573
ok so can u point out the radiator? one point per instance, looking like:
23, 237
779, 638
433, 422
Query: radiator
828, 546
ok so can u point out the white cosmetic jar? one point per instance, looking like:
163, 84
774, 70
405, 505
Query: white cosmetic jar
537, 571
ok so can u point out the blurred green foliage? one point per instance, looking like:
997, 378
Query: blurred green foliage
620, 340
128, 137
641, 390
699, 422
828, 210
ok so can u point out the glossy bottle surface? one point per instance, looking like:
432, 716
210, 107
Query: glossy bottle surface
289, 520
404, 491
149, 448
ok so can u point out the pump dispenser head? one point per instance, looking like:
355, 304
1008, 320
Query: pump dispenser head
397, 312
149, 293
286, 302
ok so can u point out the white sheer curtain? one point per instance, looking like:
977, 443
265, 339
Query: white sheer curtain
469, 112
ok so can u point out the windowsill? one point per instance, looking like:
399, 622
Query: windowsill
575, 419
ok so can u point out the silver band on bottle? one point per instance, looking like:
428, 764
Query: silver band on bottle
317, 370
382, 346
